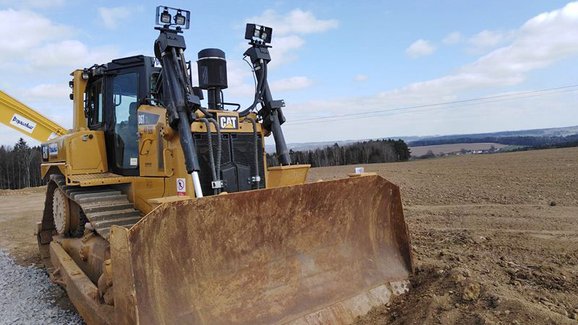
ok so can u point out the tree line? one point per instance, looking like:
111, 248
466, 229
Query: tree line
529, 141
20, 166
366, 152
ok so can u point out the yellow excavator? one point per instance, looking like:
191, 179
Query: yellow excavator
160, 210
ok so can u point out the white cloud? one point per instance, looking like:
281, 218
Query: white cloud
111, 17
237, 74
38, 55
33, 3
57, 54
70, 53
56, 92
295, 22
240, 91
284, 50
293, 83
22, 30
420, 48
360, 77
31, 42
488, 40
541, 41
452, 38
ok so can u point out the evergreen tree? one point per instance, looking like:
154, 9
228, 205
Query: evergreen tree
373, 151
23, 158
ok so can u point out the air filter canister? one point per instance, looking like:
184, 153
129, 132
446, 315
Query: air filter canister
212, 68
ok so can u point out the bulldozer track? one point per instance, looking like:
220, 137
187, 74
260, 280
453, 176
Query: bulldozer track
103, 206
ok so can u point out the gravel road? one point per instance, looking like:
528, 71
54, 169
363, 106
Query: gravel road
28, 297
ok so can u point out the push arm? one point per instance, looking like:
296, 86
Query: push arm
178, 96
271, 110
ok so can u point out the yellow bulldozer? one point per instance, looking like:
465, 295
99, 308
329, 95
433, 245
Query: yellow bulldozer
160, 210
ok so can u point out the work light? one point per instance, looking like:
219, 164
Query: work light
180, 19
166, 17
258, 34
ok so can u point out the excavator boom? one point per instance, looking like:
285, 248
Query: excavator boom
26, 120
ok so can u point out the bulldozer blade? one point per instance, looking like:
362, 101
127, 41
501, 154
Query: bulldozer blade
317, 253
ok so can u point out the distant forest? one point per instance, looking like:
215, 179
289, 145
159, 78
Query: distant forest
528, 141
20, 166
373, 151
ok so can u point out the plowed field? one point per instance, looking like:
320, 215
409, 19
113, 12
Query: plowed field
495, 238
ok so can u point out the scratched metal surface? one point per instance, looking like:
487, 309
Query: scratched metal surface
305, 254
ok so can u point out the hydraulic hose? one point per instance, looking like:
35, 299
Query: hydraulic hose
256, 150
207, 113
211, 155
219, 148
258, 91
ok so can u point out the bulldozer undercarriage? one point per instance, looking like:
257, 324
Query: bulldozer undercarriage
73, 211
100, 206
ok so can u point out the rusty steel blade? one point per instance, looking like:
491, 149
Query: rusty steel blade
307, 254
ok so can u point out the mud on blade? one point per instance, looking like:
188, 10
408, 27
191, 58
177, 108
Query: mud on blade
308, 254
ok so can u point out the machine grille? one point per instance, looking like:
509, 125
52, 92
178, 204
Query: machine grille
237, 156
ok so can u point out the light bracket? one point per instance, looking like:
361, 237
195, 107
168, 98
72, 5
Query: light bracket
173, 17
258, 34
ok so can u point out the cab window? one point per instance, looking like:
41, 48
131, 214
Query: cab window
93, 104
125, 100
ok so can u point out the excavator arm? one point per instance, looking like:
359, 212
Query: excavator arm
26, 120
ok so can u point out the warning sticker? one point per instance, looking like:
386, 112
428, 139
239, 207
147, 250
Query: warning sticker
53, 149
181, 187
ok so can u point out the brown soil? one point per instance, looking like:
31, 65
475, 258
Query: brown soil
495, 237
20, 210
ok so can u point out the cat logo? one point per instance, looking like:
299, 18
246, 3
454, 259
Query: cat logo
229, 122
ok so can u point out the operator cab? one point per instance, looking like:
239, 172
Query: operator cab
113, 94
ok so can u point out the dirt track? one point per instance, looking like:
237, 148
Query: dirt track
495, 237
20, 210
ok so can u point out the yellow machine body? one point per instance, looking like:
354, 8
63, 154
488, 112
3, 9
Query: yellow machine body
293, 253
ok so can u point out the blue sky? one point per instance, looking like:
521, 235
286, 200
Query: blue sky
347, 70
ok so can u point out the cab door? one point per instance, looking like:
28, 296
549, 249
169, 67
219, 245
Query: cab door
121, 127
